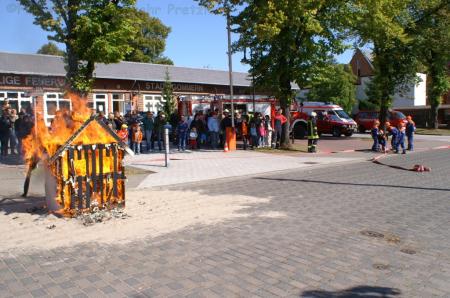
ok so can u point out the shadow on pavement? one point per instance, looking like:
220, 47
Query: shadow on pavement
32, 205
355, 292
353, 184
11, 160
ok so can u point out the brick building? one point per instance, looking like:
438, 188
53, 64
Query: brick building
123, 86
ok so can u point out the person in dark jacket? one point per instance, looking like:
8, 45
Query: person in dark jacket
160, 122
149, 126
182, 129
224, 124
5, 131
23, 127
313, 136
375, 132
200, 127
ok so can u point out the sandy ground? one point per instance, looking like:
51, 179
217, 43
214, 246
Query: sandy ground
151, 213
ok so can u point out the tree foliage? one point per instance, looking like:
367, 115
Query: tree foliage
289, 39
167, 94
384, 24
50, 48
431, 31
150, 41
93, 31
336, 83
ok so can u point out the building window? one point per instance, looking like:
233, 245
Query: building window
17, 100
101, 103
55, 102
153, 103
118, 101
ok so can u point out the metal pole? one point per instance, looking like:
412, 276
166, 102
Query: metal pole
230, 62
253, 82
166, 145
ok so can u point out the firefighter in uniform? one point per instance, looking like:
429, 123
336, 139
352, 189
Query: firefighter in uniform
313, 136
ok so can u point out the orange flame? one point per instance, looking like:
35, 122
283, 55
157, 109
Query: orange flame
44, 141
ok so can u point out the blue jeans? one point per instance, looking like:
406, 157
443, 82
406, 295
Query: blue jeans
375, 146
137, 148
214, 139
182, 141
410, 142
148, 137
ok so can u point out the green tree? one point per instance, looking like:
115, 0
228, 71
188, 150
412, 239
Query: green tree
290, 41
336, 84
384, 24
50, 48
93, 31
150, 41
432, 33
167, 94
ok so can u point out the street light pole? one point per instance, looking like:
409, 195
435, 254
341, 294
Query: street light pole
253, 82
230, 62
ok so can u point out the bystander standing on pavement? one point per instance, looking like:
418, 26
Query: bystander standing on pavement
149, 125
410, 130
182, 130
244, 131
213, 128
159, 124
110, 121
269, 131
12, 134
118, 120
400, 141
224, 124
280, 120
5, 130
313, 136
23, 127
136, 138
375, 132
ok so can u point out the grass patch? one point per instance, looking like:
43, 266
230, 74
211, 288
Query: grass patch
296, 148
434, 132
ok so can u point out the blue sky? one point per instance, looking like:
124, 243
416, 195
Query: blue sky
198, 39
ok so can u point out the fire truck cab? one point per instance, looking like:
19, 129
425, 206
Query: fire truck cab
331, 119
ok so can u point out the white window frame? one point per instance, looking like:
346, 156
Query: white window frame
105, 100
155, 101
20, 97
58, 98
121, 100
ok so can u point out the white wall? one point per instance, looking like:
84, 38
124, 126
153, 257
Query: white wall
414, 95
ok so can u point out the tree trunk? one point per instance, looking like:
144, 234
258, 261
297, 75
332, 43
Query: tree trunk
285, 95
434, 123
384, 107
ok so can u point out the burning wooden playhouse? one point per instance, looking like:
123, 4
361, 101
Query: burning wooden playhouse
87, 168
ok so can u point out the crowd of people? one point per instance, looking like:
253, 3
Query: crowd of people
14, 127
200, 131
396, 133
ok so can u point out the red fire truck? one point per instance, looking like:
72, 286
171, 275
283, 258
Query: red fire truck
331, 119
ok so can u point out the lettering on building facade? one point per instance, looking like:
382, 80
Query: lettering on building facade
31, 81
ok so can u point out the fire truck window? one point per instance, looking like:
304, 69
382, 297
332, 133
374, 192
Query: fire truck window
2, 95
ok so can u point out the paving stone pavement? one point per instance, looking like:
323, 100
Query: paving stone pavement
312, 246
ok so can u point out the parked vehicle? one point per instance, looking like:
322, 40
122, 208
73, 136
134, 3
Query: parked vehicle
365, 119
331, 119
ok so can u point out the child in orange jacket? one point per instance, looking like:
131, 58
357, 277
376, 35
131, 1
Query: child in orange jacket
136, 138
123, 133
